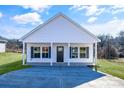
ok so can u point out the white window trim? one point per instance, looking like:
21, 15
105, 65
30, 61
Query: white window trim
75, 52
83, 52
79, 52
33, 57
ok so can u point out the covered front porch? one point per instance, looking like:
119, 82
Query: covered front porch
59, 54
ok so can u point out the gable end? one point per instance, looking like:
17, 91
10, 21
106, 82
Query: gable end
54, 17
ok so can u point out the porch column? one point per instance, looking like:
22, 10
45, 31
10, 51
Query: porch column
23, 54
51, 63
95, 53
68, 54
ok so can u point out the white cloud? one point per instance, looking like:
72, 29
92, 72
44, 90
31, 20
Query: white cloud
94, 10
91, 10
92, 19
118, 6
77, 7
37, 8
114, 20
1, 15
117, 9
16, 32
12, 32
112, 27
28, 18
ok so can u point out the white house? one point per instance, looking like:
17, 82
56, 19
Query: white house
2, 46
60, 40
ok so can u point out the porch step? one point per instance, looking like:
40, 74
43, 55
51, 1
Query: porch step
57, 64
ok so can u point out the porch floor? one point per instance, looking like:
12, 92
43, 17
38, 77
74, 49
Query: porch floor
58, 64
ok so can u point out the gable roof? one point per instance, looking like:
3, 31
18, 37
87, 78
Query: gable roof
54, 17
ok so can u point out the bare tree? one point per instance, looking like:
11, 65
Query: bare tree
106, 48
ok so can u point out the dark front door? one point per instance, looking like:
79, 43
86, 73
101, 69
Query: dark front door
60, 54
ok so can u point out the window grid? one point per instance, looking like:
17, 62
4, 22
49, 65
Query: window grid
84, 52
46, 52
74, 52
35, 52
79, 52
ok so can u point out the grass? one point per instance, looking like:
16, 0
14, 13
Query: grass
10, 62
112, 67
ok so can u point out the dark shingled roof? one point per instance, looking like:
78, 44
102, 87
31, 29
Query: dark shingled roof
3, 40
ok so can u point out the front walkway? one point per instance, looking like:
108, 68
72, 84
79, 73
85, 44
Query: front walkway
58, 77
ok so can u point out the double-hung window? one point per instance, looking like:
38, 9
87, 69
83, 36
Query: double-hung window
84, 52
73, 52
35, 52
46, 52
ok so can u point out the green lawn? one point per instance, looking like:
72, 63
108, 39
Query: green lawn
113, 67
10, 62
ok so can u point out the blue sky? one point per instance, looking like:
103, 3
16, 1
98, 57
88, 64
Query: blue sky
15, 21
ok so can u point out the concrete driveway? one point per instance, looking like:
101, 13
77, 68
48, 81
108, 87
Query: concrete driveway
58, 77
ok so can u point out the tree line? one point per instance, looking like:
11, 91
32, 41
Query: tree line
111, 47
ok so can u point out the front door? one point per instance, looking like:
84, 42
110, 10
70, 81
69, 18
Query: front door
60, 54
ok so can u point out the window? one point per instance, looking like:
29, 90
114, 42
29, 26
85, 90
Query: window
46, 52
73, 52
35, 52
84, 52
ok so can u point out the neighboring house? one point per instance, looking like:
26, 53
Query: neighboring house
60, 40
2, 45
